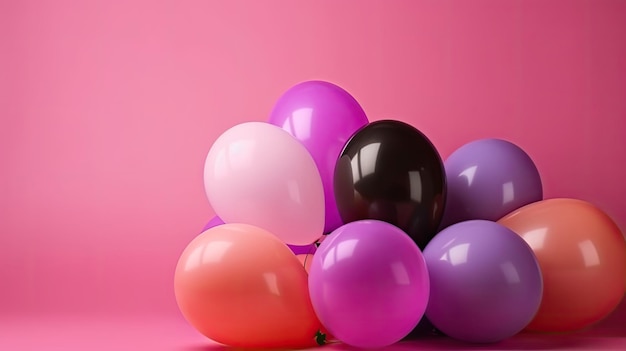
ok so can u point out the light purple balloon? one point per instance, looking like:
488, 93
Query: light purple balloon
323, 117
488, 179
485, 282
297, 250
369, 284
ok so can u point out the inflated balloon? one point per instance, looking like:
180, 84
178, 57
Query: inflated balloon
582, 255
322, 116
424, 329
215, 221
390, 171
485, 282
369, 284
305, 260
303, 250
257, 173
487, 179
240, 286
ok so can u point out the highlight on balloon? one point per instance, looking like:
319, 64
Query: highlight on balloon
330, 227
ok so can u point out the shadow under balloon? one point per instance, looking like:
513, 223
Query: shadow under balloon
604, 335
519, 342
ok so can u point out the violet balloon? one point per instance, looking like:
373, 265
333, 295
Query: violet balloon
485, 282
488, 179
323, 117
369, 284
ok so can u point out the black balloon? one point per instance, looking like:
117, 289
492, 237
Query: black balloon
424, 329
390, 171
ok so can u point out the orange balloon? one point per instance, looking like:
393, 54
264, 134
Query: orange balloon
582, 256
240, 286
305, 261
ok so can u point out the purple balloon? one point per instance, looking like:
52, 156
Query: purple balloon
303, 250
323, 117
488, 179
214, 222
485, 282
369, 284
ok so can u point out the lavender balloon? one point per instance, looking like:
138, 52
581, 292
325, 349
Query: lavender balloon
296, 249
369, 284
488, 179
323, 117
485, 282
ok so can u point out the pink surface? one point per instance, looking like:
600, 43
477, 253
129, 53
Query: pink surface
108, 109
67, 332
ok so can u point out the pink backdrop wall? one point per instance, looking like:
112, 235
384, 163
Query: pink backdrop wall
108, 109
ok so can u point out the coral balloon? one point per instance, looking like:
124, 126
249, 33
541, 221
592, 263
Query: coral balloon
241, 286
369, 284
323, 117
390, 171
485, 282
582, 256
305, 260
257, 173
488, 179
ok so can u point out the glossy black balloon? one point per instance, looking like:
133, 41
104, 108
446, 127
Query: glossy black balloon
390, 171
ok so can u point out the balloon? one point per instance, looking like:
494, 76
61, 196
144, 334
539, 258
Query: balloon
240, 286
390, 171
215, 221
323, 117
486, 284
305, 260
258, 174
369, 284
303, 250
488, 179
582, 255
424, 329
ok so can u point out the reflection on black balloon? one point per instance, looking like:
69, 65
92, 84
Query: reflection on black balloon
390, 171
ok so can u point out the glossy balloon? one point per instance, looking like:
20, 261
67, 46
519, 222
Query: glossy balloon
390, 171
488, 179
582, 255
305, 260
215, 221
424, 329
486, 284
322, 116
240, 286
369, 284
256, 173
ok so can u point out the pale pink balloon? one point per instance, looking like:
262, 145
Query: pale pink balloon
258, 174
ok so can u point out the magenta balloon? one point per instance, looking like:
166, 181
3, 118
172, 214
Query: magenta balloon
323, 117
303, 249
214, 222
485, 282
369, 284
488, 179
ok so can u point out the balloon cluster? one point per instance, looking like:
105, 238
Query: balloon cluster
332, 226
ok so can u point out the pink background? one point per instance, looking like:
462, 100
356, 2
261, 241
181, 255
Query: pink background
108, 109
